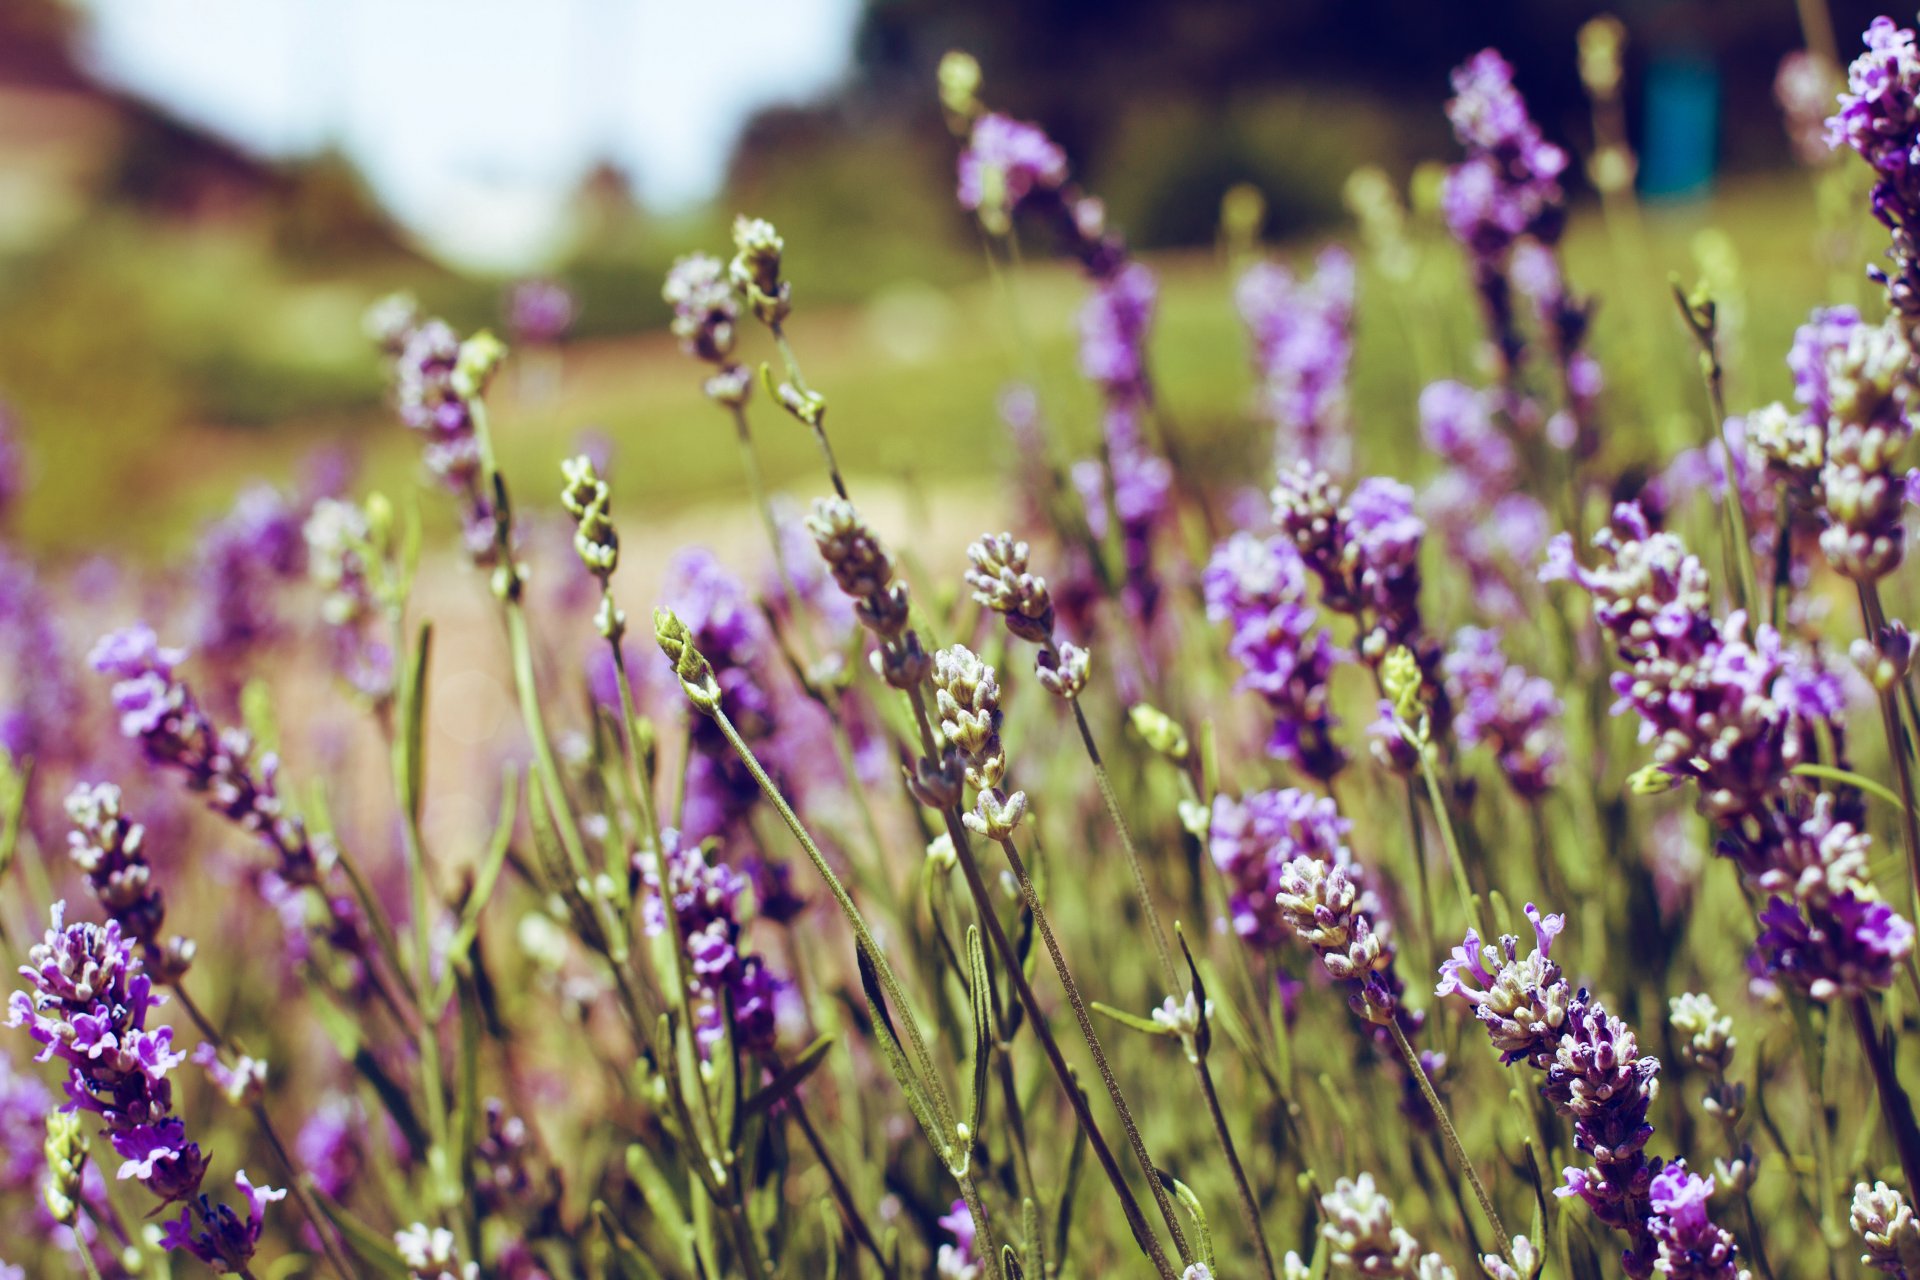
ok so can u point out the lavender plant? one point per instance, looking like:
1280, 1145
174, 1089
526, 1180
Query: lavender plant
746, 979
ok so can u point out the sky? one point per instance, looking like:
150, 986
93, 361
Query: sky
474, 119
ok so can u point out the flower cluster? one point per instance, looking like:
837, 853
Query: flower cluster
706, 319
1252, 841
341, 552
967, 703
1302, 332
1003, 580
1501, 704
87, 1005
109, 849
158, 710
1006, 164
1507, 188
1595, 1073
1884, 1221
1687, 1244
1474, 504
438, 382
1840, 452
1363, 1237
1257, 586
242, 559
1364, 550
721, 975
1879, 119
1735, 717
539, 312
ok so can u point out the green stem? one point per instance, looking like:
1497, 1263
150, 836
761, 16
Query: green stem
1458, 1152
1873, 617
863, 936
1140, 889
1249, 1206
983, 905
315, 1219
1894, 1105
819, 431
1031, 897
841, 1192
1448, 837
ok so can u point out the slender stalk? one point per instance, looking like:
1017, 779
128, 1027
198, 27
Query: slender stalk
841, 1192
922, 1064
819, 431
1738, 550
1873, 617
1249, 1206
1448, 837
1031, 897
983, 903
1140, 889
1894, 1105
1458, 1152
322, 1228
756, 486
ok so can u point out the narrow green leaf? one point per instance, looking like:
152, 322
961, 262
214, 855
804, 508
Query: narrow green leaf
1203, 1038
980, 996
1191, 1203
369, 1245
789, 1079
658, 1194
414, 710
888, 1041
1146, 1026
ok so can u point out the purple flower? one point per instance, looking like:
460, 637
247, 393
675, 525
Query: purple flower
109, 849
539, 311
1253, 839
1824, 930
720, 974
224, 1240
1457, 423
1879, 119
438, 381
328, 1144
87, 1006
1595, 1073
1508, 187
1257, 586
956, 1260
244, 558
1113, 333
1499, 703
1302, 332
1688, 1246
1007, 161
159, 710
1364, 549
1521, 1002
40, 707
24, 1107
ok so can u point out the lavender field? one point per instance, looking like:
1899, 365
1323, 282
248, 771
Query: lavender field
1410, 775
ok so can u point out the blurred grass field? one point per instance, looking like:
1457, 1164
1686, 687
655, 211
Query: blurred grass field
155, 370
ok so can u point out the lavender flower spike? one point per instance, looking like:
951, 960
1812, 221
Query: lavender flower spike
225, 1241
1365, 1239
1521, 1002
1688, 1246
1885, 1224
1879, 119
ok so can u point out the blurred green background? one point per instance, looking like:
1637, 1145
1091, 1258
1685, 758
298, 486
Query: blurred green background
178, 313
